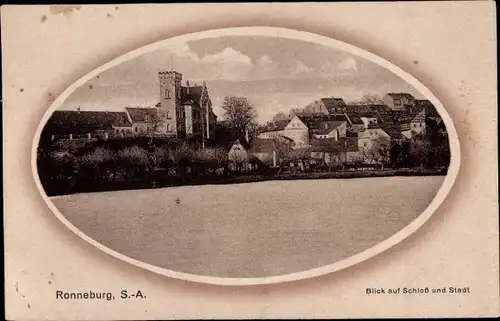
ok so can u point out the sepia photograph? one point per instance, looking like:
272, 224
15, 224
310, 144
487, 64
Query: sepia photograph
243, 156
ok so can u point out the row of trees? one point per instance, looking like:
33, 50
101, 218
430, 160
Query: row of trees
66, 167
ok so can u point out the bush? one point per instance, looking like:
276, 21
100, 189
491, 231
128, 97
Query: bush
134, 160
96, 164
57, 171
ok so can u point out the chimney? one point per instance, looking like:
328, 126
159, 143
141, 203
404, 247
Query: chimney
187, 87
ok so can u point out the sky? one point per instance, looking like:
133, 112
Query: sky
275, 74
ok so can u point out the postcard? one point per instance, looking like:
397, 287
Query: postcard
224, 158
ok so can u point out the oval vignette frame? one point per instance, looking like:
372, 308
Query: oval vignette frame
270, 32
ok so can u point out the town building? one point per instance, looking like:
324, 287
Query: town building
144, 120
297, 131
76, 124
399, 101
326, 106
294, 129
335, 129
273, 129
368, 138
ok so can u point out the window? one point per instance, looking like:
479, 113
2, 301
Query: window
147, 129
169, 127
168, 114
166, 93
136, 129
117, 131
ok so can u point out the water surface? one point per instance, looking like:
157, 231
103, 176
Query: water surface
251, 230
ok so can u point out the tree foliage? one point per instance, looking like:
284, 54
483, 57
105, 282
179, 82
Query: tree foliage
239, 114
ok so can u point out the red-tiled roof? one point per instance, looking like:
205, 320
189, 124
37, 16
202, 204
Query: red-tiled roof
400, 95
328, 126
82, 122
139, 114
313, 121
278, 125
393, 132
333, 103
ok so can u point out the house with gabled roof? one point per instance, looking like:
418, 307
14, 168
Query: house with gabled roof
368, 137
298, 131
144, 120
324, 150
273, 129
295, 129
399, 101
326, 106
335, 129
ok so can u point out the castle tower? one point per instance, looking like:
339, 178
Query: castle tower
170, 98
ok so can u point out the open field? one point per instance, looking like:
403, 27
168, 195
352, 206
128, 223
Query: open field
251, 230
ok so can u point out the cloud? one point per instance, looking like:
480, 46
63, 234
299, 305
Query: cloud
182, 50
228, 56
348, 63
231, 64
299, 68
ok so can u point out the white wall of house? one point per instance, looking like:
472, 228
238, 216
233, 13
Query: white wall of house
368, 136
237, 153
141, 128
342, 130
417, 124
298, 132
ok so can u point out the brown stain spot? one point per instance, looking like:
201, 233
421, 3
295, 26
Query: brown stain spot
415, 62
109, 15
51, 97
91, 87
21, 90
29, 306
117, 7
52, 274
17, 290
43, 18
50, 282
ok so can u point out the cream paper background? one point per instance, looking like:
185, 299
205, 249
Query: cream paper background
450, 47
